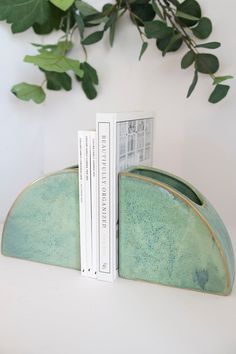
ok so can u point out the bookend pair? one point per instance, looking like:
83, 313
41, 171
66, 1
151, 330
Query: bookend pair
168, 232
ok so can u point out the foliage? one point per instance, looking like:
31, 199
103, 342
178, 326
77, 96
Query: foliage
170, 23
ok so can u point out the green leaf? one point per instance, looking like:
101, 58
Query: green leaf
52, 62
62, 4
89, 89
157, 9
219, 92
143, 13
206, 63
90, 79
193, 84
90, 72
85, 9
170, 43
186, 16
58, 81
219, 79
203, 29
23, 14
55, 20
112, 19
192, 8
143, 49
188, 59
157, 29
94, 20
61, 48
210, 45
112, 34
93, 38
108, 9
80, 23
28, 92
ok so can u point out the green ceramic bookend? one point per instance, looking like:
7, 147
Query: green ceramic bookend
43, 223
170, 234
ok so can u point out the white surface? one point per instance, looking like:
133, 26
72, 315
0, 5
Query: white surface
51, 310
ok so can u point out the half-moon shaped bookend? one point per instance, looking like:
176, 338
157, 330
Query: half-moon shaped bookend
43, 223
170, 234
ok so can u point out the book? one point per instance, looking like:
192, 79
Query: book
93, 203
84, 162
123, 140
82, 206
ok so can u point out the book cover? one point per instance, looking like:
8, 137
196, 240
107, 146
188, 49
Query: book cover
123, 140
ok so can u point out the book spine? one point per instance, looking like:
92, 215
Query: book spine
106, 235
94, 203
88, 216
82, 201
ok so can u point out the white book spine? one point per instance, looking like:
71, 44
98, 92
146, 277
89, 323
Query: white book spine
88, 206
82, 201
105, 200
94, 203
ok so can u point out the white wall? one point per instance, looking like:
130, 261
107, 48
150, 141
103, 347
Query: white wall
194, 139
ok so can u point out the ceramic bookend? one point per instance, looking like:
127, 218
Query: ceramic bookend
43, 223
170, 234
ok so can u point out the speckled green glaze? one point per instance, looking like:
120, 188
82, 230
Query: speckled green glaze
170, 234
43, 223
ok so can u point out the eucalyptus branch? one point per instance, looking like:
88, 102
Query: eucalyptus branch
179, 28
176, 23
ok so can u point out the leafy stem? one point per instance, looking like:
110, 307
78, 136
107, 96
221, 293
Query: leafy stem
177, 25
170, 22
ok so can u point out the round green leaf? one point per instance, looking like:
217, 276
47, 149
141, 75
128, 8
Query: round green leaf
192, 8
187, 59
143, 12
206, 63
169, 44
157, 29
203, 29
219, 92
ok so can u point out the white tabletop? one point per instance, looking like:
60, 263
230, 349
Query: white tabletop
51, 310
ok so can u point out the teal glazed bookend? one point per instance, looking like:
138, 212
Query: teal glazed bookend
170, 234
43, 223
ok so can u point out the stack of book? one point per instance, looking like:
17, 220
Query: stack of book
121, 140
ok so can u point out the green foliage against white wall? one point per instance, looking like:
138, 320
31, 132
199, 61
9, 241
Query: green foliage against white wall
170, 23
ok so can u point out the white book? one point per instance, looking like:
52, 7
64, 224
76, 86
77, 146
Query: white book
94, 203
87, 186
82, 201
123, 140
88, 206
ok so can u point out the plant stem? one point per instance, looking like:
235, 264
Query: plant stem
134, 17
